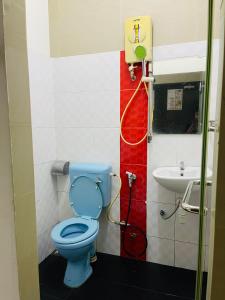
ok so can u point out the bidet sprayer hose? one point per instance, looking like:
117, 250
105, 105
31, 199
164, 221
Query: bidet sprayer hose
109, 217
125, 223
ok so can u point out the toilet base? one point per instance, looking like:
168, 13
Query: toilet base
77, 272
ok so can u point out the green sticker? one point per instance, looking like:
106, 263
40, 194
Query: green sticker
140, 52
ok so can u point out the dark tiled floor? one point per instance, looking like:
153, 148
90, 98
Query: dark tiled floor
121, 278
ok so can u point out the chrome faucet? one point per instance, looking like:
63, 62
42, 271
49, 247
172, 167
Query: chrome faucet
182, 168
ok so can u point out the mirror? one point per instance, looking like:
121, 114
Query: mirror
178, 107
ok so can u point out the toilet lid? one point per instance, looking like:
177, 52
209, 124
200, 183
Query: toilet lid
86, 196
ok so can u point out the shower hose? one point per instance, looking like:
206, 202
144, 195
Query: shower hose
124, 114
127, 229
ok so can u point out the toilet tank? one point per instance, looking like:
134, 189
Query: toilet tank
99, 172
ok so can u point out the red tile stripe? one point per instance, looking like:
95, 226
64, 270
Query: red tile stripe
133, 158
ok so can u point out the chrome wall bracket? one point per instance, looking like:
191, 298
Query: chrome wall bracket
185, 203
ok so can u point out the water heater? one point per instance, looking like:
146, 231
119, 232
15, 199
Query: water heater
138, 39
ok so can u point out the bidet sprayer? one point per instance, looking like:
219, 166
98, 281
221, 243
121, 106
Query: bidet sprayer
131, 178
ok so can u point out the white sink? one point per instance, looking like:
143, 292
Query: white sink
172, 178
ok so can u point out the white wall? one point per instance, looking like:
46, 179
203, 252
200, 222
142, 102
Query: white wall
173, 241
43, 121
183, 21
80, 122
87, 95
87, 129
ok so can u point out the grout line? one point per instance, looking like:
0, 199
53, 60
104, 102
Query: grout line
42, 127
87, 127
87, 91
160, 238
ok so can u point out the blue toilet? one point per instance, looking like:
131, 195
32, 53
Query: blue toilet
90, 191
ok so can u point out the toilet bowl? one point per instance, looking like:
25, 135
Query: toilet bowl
74, 238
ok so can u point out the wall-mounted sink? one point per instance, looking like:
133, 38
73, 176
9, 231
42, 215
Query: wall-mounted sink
175, 179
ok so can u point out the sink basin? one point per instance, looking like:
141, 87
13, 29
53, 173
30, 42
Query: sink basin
171, 178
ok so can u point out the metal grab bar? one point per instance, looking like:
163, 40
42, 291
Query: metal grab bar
187, 195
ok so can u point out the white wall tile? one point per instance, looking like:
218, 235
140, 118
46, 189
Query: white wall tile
92, 72
75, 144
65, 210
108, 240
42, 109
45, 183
186, 255
187, 224
63, 183
45, 245
87, 109
156, 225
189, 149
43, 123
47, 215
88, 145
160, 251
180, 50
162, 150
186, 227
40, 72
107, 145
44, 145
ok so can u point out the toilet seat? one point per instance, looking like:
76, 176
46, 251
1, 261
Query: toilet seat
74, 230
86, 196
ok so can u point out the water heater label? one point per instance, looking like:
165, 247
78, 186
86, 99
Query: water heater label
174, 99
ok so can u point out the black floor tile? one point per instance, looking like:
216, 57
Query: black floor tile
46, 297
160, 278
51, 275
101, 289
119, 277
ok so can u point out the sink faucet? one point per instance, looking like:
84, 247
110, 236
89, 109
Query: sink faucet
181, 168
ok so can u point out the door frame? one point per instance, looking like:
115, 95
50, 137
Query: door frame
216, 269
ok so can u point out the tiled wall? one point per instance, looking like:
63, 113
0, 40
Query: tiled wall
87, 124
81, 123
87, 129
43, 122
173, 241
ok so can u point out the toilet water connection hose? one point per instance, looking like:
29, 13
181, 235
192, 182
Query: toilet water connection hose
125, 223
148, 133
